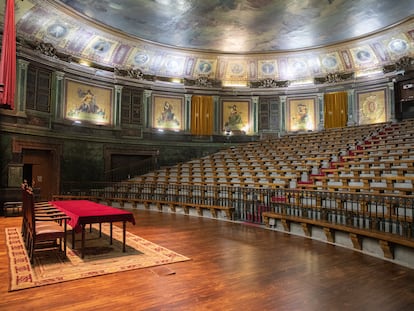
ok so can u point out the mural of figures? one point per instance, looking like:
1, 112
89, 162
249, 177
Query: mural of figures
88, 102
85, 102
302, 115
372, 107
167, 116
167, 112
234, 121
236, 116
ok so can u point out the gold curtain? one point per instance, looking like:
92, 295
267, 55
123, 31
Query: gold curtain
336, 109
202, 115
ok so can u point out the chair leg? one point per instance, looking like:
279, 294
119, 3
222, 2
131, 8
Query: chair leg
31, 250
64, 245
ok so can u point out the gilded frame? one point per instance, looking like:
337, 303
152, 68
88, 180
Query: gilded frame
236, 116
88, 102
168, 112
301, 114
372, 106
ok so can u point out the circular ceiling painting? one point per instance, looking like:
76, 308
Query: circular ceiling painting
245, 26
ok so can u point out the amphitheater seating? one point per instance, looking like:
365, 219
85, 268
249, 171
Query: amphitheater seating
331, 160
371, 161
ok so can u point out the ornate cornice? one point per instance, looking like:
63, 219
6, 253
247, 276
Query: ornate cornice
269, 83
405, 64
203, 81
334, 78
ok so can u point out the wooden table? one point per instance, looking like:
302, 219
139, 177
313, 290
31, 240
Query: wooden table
84, 212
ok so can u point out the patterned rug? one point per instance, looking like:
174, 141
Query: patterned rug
100, 258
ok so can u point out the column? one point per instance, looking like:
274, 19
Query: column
21, 77
283, 114
351, 108
58, 104
391, 102
217, 128
321, 110
117, 106
147, 108
187, 111
254, 117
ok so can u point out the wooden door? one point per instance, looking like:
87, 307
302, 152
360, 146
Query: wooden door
44, 172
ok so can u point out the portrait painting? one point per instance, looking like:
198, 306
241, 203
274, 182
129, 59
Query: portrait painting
363, 57
236, 115
167, 112
87, 102
100, 47
236, 70
267, 69
206, 67
301, 114
371, 107
172, 65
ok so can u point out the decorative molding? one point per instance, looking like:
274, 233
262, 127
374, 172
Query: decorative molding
133, 73
269, 83
404, 64
334, 77
45, 48
203, 81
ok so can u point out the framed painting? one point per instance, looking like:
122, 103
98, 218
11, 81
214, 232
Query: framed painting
87, 102
236, 116
15, 175
168, 112
301, 114
371, 106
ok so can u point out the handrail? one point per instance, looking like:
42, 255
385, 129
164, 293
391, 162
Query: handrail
383, 212
128, 171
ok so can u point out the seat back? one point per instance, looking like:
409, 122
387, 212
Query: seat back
50, 232
29, 222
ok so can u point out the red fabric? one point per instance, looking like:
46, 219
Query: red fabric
87, 212
8, 57
278, 199
305, 182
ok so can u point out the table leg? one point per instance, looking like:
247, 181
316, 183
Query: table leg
110, 233
83, 242
73, 238
123, 235
100, 230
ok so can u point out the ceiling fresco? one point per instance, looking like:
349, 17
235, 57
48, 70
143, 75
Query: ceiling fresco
195, 35
245, 26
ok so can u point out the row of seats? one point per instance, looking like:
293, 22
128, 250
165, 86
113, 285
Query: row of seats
357, 161
43, 226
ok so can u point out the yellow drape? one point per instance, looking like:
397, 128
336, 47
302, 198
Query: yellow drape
336, 109
202, 115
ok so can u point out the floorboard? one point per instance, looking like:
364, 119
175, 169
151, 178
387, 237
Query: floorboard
233, 267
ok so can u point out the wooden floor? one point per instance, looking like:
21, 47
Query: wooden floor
233, 267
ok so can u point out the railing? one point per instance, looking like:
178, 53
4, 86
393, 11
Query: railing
125, 172
385, 213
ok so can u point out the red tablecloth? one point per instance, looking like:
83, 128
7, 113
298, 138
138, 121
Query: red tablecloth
83, 212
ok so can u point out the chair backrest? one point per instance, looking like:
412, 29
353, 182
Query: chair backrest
28, 212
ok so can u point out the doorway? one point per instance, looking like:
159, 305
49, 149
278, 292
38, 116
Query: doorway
40, 171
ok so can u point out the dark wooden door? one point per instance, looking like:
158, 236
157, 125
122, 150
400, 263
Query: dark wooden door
44, 172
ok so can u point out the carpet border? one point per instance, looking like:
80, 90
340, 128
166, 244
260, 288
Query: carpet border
43, 282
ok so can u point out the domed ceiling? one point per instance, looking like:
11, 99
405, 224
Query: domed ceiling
245, 26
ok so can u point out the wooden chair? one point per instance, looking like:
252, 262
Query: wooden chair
42, 230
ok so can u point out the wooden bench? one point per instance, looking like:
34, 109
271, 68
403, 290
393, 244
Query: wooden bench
12, 208
212, 208
386, 240
61, 197
173, 205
